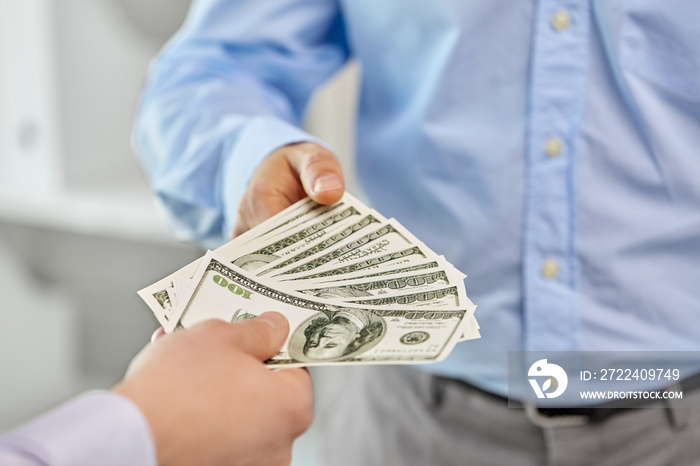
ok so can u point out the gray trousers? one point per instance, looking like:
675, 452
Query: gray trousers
397, 416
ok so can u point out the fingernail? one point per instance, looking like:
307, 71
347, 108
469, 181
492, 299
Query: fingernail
273, 319
157, 334
327, 182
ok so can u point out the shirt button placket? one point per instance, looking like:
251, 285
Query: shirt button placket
557, 90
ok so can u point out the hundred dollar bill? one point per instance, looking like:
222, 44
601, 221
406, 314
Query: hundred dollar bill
388, 237
447, 297
440, 299
379, 286
302, 209
321, 333
386, 294
387, 272
294, 240
301, 214
364, 275
351, 231
393, 285
298, 219
156, 295
407, 257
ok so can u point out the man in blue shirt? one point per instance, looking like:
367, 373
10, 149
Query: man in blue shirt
548, 149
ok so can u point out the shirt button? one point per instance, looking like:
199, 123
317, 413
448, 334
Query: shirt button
553, 146
561, 20
550, 269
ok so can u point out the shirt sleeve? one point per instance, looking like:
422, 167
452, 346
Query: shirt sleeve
230, 88
96, 428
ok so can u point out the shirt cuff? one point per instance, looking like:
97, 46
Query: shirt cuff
260, 137
99, 427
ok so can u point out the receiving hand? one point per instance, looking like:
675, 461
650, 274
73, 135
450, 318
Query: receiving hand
209, 399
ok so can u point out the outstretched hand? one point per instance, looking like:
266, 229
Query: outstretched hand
285, 176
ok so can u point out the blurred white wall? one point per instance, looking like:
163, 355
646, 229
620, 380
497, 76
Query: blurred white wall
79, 233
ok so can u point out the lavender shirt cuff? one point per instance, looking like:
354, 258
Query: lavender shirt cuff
98, 427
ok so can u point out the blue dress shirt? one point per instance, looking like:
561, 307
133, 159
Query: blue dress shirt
549, 149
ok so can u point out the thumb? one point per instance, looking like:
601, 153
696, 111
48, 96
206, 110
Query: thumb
262, 336
319, 172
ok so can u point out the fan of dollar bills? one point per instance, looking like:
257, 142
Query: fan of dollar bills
357, 288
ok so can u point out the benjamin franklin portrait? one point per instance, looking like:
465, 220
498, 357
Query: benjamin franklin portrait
334, 336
